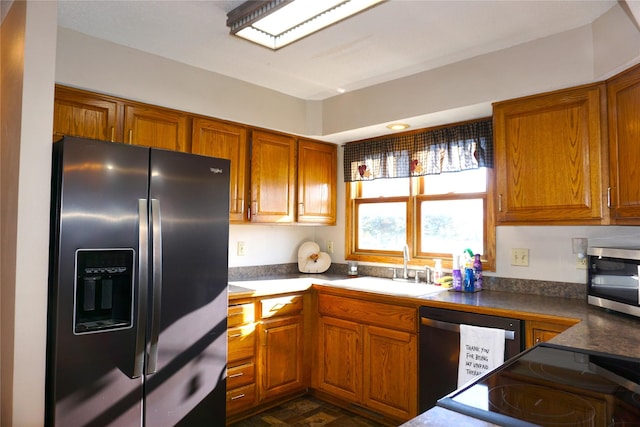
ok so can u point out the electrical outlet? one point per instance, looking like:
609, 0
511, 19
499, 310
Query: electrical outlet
242, 249
520, 257
329, 246
581, 263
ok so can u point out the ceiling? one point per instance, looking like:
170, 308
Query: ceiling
393, 40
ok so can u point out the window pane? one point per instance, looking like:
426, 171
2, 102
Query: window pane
469, 181
382, 226
450, 226
385, 187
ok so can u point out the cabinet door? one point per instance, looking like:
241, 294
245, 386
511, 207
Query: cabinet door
340, 358
391, 372
549, 160
226, 141
156, 127
317, 175
272, 177
624, 146
86, 115
280, 356
537, 332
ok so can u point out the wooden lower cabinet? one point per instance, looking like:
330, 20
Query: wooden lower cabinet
390, 371
340, 360
266, 353
240, 399
370, 365
540, 331
280, 356
241, 357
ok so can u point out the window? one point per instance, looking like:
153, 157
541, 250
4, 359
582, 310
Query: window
436, 214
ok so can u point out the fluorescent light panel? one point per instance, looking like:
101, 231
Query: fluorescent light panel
281, 25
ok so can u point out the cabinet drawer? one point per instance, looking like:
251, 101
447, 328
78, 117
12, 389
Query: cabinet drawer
241, 398
280, 306
240, 375
372, 313
240, 314
242, 342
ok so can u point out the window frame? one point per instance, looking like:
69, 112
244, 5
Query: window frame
418, 259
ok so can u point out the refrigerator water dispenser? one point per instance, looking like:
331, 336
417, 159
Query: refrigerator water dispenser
103, 291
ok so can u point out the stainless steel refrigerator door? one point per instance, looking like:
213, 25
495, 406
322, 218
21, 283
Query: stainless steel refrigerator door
187, 342
97, 188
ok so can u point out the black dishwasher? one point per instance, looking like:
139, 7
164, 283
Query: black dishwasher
440, 348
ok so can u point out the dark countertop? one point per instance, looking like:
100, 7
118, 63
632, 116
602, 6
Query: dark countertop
595, 329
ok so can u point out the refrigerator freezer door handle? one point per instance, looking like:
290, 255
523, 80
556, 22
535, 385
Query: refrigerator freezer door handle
156, 236
143, 275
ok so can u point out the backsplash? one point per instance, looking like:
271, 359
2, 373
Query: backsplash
504, 284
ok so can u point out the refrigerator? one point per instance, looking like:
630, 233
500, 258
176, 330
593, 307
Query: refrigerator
137, 286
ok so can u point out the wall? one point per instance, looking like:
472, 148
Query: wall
28, 62
88, 62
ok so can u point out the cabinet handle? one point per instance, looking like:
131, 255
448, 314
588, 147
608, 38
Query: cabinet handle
113, 134
130, 136
254, 207
240, 396
499, 202
239, 374
235, 336
609, 197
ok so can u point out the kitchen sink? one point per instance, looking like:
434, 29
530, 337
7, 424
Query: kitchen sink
388, 286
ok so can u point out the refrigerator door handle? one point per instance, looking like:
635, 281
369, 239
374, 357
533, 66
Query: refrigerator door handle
156, 243
143, 278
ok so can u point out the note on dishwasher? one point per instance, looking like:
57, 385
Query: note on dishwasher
481, 350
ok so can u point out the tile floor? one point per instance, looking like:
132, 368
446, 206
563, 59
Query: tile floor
306, 411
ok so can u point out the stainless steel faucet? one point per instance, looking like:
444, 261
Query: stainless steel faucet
405, 258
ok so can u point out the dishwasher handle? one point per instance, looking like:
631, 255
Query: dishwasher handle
455, 327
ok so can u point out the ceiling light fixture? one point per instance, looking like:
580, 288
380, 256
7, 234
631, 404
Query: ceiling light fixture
276, 23
398, 126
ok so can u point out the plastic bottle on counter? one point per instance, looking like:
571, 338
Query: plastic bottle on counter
469, 280
456, 274
477, 272
437, 272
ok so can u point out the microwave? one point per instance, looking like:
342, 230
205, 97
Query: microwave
612, 279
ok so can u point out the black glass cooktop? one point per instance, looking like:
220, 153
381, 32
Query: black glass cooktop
553, 386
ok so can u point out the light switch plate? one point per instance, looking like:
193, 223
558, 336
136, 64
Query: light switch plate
520, 257
329, 246
242, 249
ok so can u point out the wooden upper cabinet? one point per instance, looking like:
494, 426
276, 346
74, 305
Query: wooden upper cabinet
86, 115
623, 96
265, 194
228, 141
317, 175
273, 166
549, 157
156, 127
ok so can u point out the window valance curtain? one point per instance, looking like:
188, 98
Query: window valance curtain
446, 149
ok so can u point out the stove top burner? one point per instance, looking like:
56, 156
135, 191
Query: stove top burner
554, 386
542, 405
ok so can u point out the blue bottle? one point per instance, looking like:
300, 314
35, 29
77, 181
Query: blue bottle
469, 280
